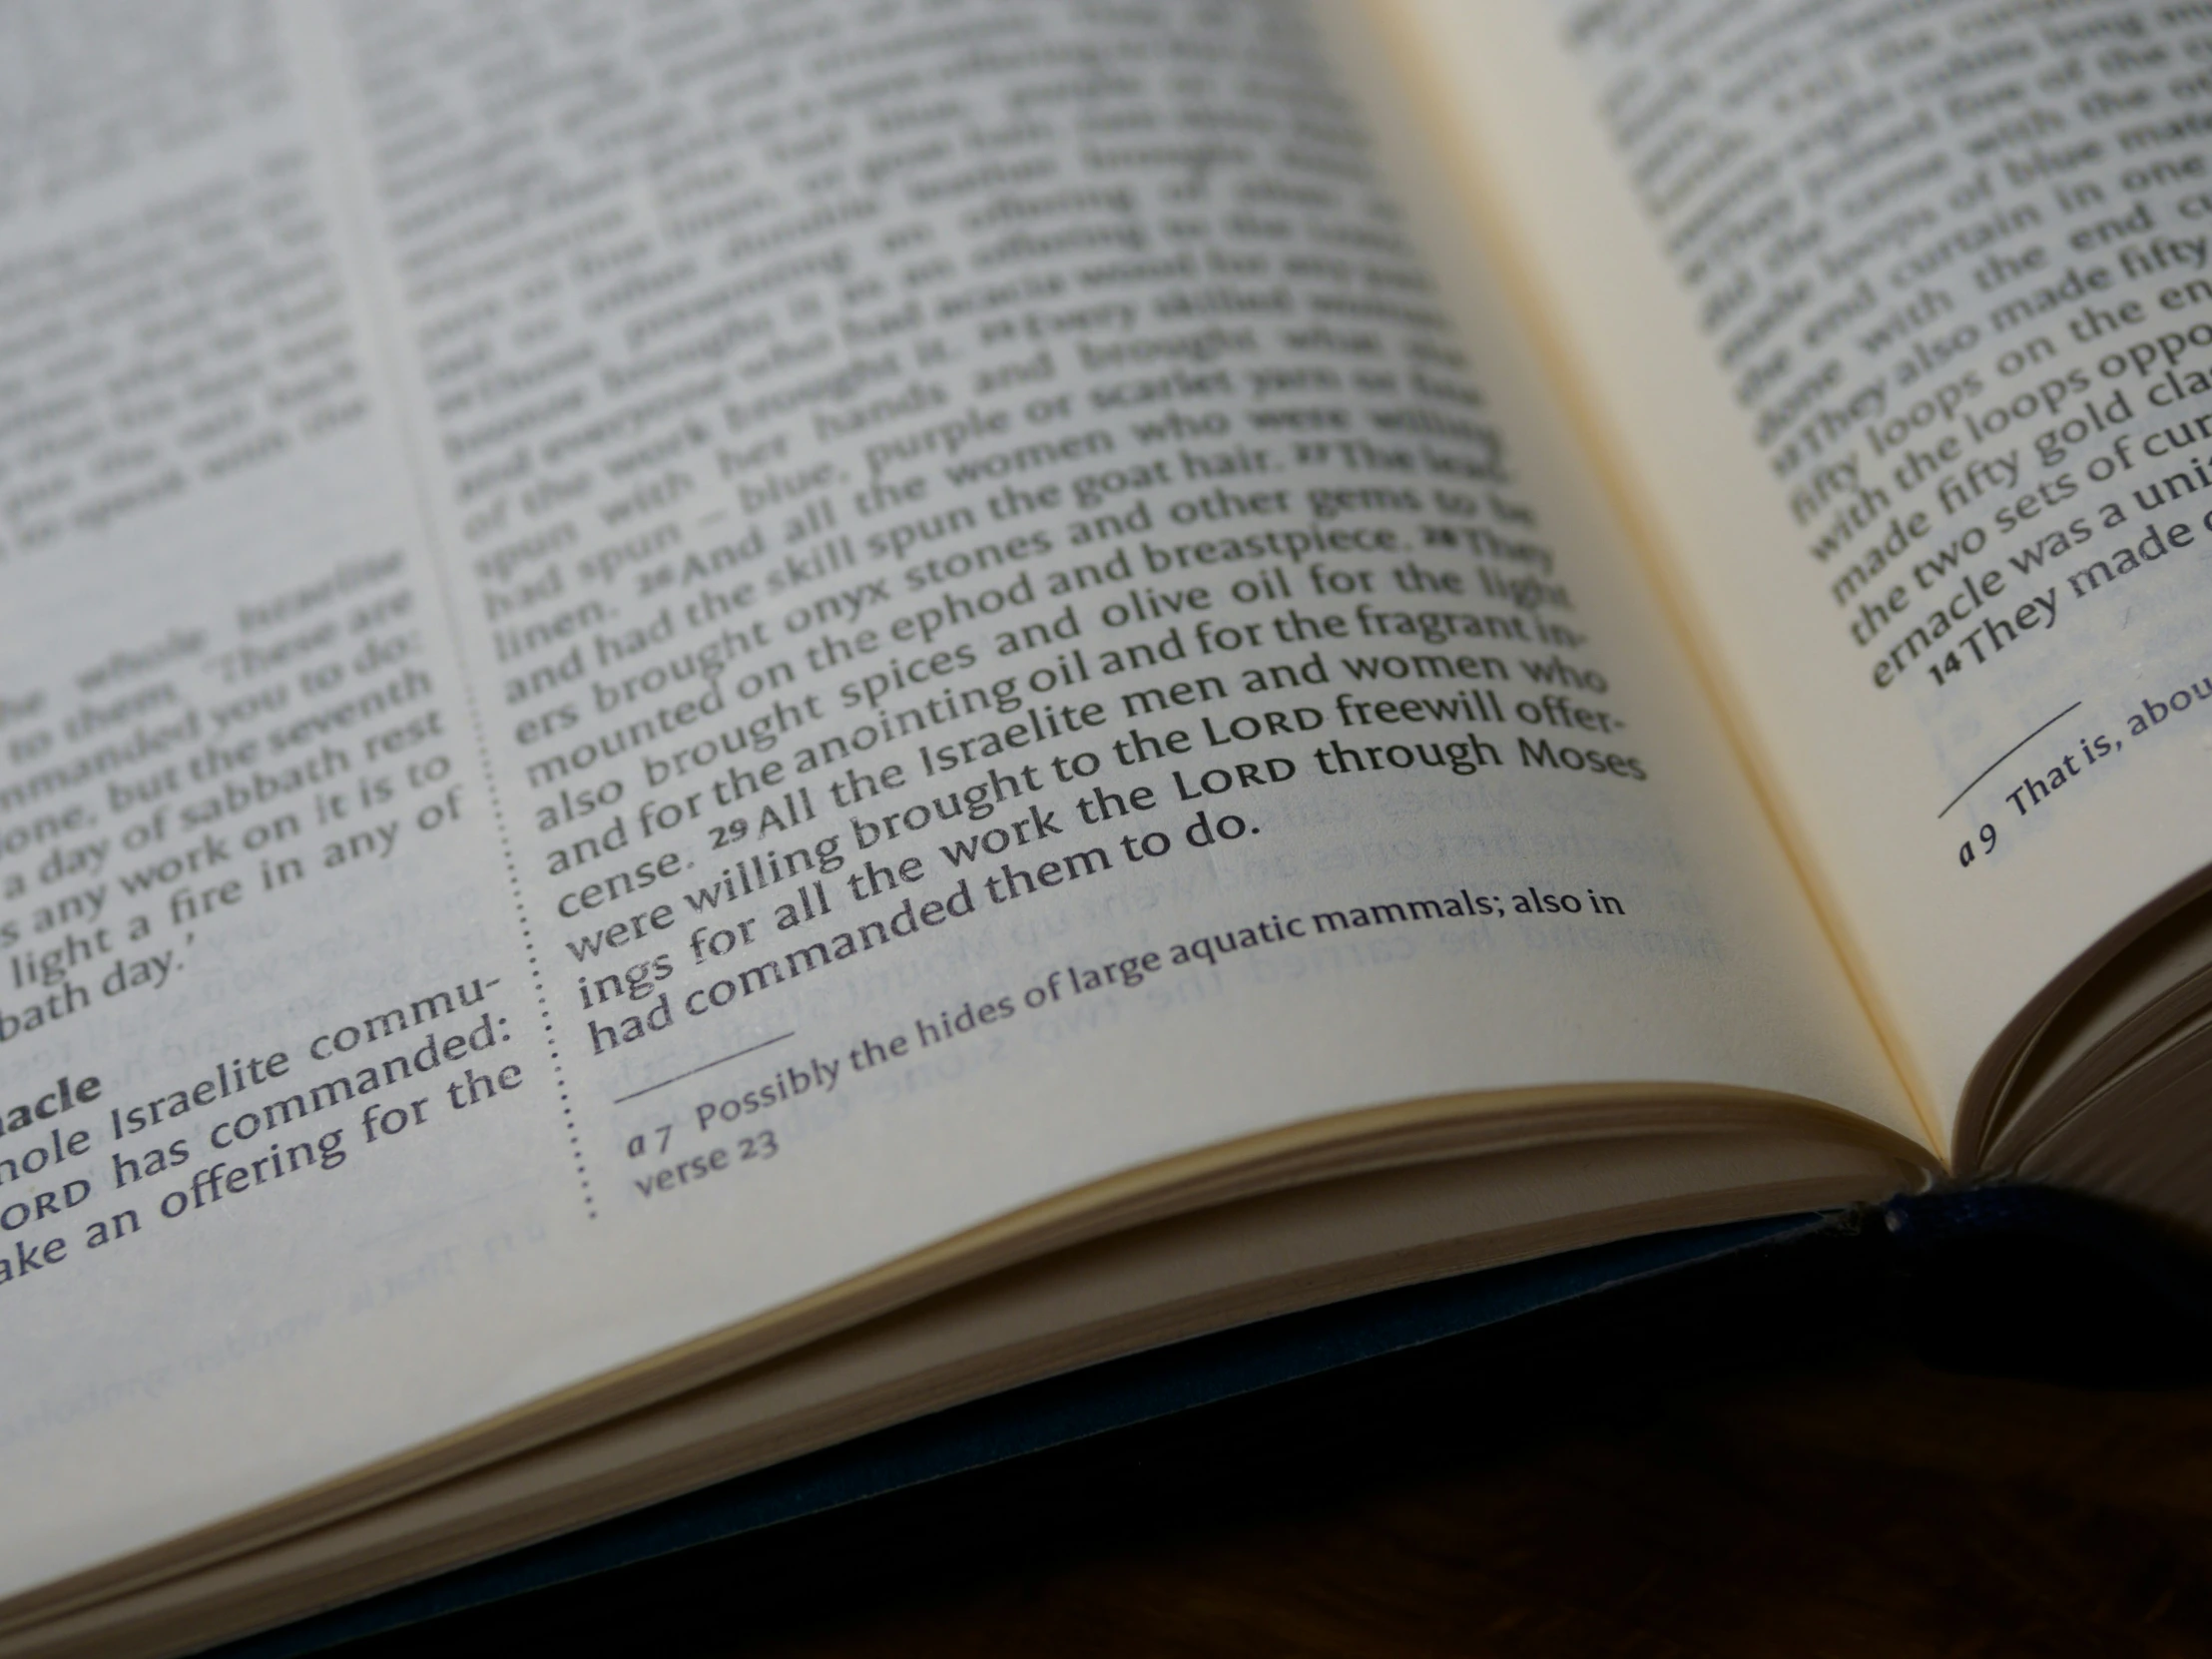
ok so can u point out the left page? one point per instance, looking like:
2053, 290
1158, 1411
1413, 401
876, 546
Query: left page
651, 660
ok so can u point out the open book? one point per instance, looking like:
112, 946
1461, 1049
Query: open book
723, 720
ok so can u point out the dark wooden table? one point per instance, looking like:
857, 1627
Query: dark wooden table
1744, 1478
1871, 1508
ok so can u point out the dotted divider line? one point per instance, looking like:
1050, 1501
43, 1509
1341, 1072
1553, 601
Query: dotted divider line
530, 955
387, 334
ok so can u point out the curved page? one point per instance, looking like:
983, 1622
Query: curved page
654, 658
1896, 318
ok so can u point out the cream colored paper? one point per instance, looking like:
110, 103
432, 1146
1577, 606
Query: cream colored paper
521, 1209
1958, 901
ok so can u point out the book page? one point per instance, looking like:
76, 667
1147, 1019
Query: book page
654, 658
1901, 323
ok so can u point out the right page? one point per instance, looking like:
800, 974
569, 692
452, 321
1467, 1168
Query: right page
1895, 326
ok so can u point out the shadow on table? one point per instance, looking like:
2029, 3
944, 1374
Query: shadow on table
1781, 1449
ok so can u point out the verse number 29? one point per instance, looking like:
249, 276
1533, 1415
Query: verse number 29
1983, 844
